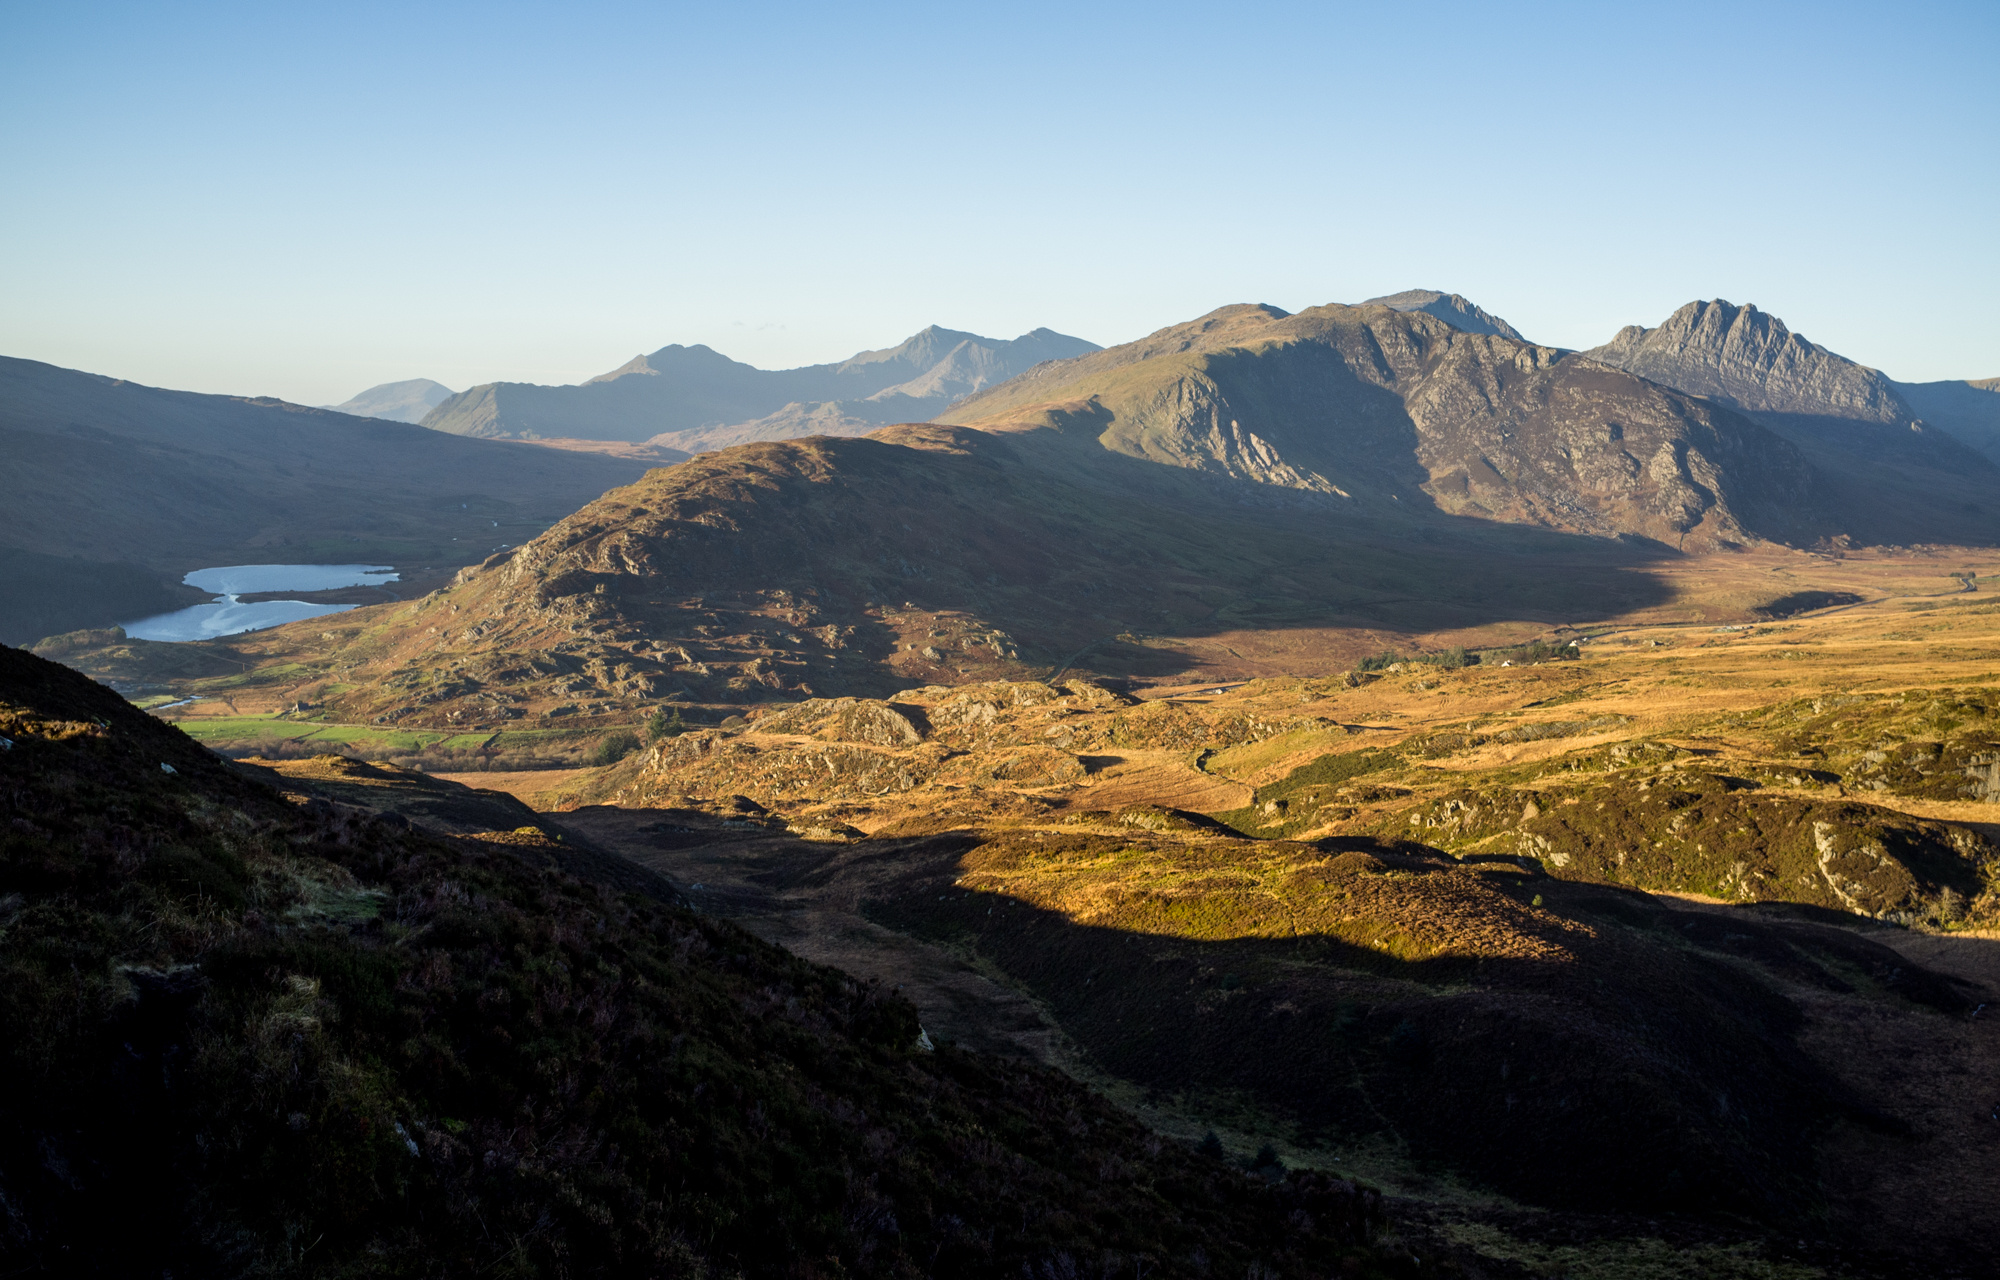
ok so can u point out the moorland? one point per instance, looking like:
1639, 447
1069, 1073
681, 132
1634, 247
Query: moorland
1515, 811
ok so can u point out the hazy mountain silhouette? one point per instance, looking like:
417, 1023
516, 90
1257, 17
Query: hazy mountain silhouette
397, 401
694, 398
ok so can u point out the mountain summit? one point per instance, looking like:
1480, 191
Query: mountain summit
1384, 411
1902, 477
695, 398
1749, 360
1454, 309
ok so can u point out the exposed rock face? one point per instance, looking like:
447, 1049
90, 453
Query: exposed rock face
1381, 409
1453, 309
1898, 477
1749, 360
696, 399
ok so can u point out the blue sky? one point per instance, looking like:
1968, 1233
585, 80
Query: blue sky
303, 200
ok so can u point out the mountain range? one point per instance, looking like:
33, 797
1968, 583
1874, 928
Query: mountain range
695, 399
405, 401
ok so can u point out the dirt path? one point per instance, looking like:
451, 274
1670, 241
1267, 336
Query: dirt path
778, 889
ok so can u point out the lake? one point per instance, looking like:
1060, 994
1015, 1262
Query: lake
227, 616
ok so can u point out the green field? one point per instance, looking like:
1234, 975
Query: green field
366, 738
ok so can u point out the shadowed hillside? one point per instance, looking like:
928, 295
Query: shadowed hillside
1968, 409
921, 555
247, 1030
138, 479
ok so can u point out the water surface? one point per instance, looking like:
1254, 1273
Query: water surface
228, 616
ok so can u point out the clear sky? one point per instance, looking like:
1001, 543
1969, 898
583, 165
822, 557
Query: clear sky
302, 199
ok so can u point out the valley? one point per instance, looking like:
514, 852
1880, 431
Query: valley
1551, 793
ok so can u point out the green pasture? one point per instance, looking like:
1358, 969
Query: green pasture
240, 729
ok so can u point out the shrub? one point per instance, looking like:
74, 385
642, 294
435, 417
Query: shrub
660, 725
615, 746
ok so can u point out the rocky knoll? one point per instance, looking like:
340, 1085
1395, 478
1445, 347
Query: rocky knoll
1513, 1011
1898, 476
921, 555
1384, 409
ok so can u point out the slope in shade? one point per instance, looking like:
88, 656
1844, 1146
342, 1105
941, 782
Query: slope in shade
1967, 408
238, 1022
113, 472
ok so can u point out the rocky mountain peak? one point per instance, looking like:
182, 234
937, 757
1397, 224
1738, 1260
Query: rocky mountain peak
1750, 360
1454, 309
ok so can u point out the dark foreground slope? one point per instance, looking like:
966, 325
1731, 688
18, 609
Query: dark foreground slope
243, 1035
158, 482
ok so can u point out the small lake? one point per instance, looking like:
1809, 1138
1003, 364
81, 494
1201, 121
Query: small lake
227, 616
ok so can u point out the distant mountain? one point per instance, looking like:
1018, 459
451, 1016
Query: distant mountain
1386, 410
143, 484
1969, 410
694, 398
1899, 477
397, 401
1451, 308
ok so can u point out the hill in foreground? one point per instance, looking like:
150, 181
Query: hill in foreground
247, 1029
921, 555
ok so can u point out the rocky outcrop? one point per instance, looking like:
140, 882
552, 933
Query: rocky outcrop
1749, 360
